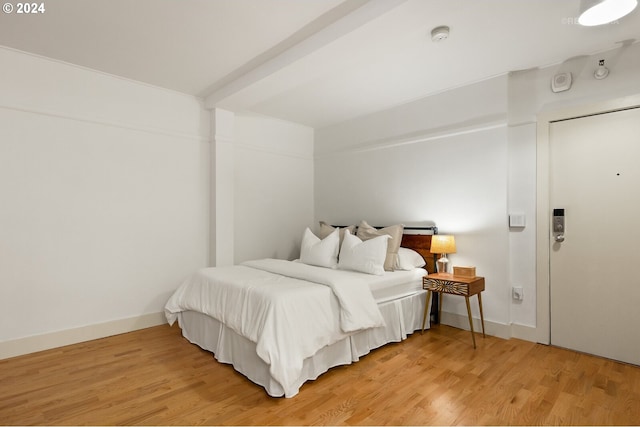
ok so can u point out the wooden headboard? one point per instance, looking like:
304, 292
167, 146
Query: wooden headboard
421, 243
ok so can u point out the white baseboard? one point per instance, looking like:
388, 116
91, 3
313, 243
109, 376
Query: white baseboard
50, 340
500, 330
522, 332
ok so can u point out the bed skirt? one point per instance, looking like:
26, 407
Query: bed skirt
402, 317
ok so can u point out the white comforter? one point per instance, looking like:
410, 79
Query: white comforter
290, 310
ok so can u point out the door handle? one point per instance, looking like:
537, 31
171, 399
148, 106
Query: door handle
559, 238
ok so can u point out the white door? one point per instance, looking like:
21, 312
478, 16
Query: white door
595, 271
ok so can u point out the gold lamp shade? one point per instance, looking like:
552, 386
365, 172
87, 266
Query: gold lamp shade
443, 244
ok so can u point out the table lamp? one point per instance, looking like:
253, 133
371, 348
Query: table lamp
443, 244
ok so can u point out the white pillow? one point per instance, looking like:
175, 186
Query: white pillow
366, 232
409, 259
323, 253
366, 257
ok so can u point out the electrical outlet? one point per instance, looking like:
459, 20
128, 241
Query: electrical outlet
517, 293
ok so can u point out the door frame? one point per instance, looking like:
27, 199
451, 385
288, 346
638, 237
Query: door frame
543, 212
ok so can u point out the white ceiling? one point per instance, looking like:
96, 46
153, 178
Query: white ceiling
315, 62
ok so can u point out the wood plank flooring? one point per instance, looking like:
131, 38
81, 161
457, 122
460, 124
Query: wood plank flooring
155, 377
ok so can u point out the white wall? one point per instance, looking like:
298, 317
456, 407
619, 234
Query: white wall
273, 187
465, 159
104, 187
529, 95
521, 199
444, 159
104, 197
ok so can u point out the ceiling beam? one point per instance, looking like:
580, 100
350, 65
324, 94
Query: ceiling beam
329, 27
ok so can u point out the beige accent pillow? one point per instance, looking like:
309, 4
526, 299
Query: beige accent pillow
326, 229
366, 232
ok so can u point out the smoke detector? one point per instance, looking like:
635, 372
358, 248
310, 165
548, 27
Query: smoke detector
440, 33
601, 72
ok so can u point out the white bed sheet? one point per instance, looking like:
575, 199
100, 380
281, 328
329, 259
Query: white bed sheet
391, 284
396, 284
399, 286
402, 317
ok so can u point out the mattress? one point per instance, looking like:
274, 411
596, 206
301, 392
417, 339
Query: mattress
391, 284
396, 284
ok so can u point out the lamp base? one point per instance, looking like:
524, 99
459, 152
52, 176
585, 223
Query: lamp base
442, 265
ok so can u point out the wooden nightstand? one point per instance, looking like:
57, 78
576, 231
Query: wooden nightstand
445, 283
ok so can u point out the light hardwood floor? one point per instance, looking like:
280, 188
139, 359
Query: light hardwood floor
155, 377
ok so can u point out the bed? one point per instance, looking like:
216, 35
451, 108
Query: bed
281, 323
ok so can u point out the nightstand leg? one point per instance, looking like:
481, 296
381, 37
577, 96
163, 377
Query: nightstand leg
481, 315
473, 336
440, 298
426, 310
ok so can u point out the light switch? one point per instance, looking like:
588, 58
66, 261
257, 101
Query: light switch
517, 220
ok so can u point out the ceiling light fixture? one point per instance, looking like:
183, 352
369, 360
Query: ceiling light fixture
439, 34
599, 12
